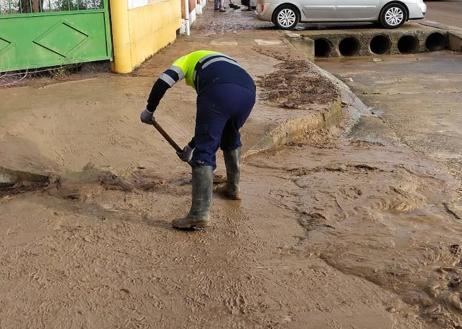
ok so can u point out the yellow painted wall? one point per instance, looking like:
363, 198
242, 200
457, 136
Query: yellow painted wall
141, 32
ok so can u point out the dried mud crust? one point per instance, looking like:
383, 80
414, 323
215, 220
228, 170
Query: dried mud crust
295, 84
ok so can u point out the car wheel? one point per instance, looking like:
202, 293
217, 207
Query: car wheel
286, 17
393, 15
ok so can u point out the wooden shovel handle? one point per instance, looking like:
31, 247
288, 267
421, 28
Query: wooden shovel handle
167, 136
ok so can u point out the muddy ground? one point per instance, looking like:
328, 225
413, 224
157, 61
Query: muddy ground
447, 12
423, 107
338, 230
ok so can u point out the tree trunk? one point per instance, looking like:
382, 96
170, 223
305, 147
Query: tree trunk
31, 6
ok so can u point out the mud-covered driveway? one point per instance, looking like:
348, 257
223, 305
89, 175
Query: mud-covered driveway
335, 230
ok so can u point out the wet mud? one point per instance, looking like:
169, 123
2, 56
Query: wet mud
295, 86
336, 231
16, 182
421, 200
380, 214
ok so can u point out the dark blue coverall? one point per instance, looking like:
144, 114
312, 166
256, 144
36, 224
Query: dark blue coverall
225, 97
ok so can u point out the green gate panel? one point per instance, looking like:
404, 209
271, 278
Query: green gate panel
52, 39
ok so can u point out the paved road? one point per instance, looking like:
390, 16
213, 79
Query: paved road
423, 107
446, 12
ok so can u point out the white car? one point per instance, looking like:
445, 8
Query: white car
286, 14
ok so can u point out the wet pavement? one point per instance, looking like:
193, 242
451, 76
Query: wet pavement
445, 12
418, 96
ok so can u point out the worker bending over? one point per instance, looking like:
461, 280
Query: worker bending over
225, 98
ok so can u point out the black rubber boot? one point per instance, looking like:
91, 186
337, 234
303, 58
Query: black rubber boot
233, 175
202, 184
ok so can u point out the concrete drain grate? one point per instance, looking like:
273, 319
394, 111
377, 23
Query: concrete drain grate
347, 43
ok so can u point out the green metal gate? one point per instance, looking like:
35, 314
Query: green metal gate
43, 33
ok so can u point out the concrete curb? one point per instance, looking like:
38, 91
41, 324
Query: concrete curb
454, 34
347, 108
292, 130
352, 104
442, 26
303, 45
455, 41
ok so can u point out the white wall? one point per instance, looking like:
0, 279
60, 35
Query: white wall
137, 3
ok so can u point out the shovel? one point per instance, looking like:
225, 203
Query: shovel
217, 179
